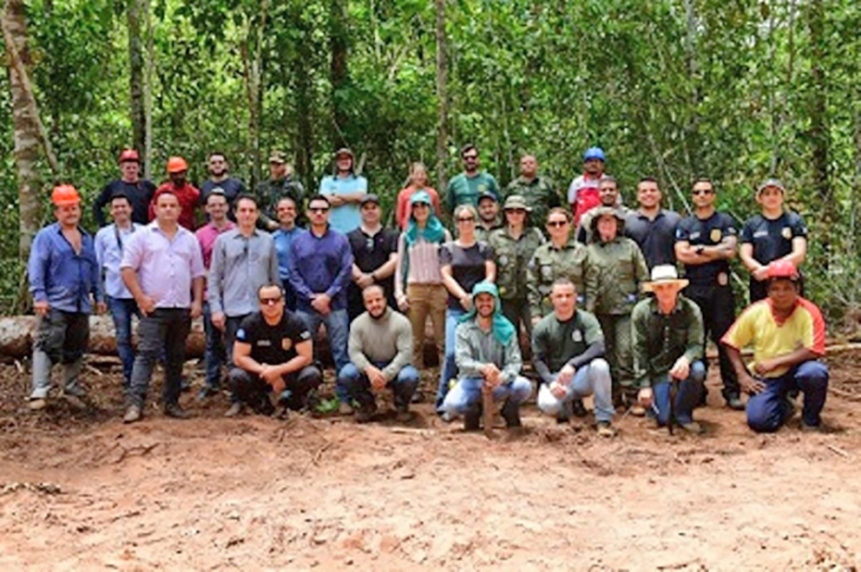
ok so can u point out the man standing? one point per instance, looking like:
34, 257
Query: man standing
651, 227
381, 346
273, 354
121, 303
163, 269
466, 188
787, 333
214, 354
608, 195
139, 191
537, 190
345, 191
488, 216
186, 194
287, 212
668, 334
219, 178
243, 260
281, 184
567, 352
375, 256
64, 282
583, 190
705, 243
488, 360
320, 267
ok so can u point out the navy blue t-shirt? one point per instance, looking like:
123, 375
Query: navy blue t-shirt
772, 239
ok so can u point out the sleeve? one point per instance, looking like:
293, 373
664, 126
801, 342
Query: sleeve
539, 353
293, 274
466, 364
591, 280
401, 208
354, 346
404, 343
434, 200
342, 279
533, 296
99, 245
814, 335
274, 274
594, 338
572, 192
37, 267
695, 336
400, 269
246, 333
486, 251
639, 335
445, 254
494, 187
747, 232
216, 277
797, 225
683, 234
133, 251
741, 333
730, 226
513, 360
641, 269
98, 288
99, 206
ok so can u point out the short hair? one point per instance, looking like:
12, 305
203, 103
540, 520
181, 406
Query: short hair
371, 286
704, 180
246, 197
647, 179
216, 192
120, 195
286, 198
319, 197
467, 147
217, 153
563, 281
608, 179
269, 285
560, 210
468, 208
165, 191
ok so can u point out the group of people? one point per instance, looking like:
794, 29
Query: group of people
593, 286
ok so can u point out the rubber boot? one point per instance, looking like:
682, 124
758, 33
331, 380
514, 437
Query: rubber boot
71, 372
41, 375
511, 413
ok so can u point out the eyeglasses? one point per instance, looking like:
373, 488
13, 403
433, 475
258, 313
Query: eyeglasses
698, 192
270, 301
557, 223
318, 209
465, 219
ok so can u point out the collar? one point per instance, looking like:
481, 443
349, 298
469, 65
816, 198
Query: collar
777, 319
653, 306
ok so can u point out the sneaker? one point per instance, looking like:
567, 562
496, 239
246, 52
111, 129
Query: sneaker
565, 412
472, 418
638, 411
175, 411
735, 403
692, 427
235, 409
37, 404
365, 412
511, 413
133, 413
605, 429
578, 409
805, 428
345, 408
205, 392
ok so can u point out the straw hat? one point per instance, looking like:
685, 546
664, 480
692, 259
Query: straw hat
664, 274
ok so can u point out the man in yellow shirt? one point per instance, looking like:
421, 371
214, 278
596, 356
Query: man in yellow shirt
787, 334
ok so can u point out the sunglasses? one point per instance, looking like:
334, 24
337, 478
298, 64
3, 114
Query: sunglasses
270, 301
318, 209
701, 192
465, 219
557, 223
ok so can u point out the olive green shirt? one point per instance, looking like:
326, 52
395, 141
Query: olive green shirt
613, 273
549, 263
539, 195
576, 342
661, 339
512, 258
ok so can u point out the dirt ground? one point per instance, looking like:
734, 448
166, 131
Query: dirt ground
81, 491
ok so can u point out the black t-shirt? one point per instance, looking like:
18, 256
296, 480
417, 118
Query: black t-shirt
371, 252
706, 232
772, 239
276, 344
140, 194
232, 189
467, 266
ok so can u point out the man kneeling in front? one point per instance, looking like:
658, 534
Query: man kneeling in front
273, 355
488, 358
567, 352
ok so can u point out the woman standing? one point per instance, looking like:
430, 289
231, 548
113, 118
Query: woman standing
513, 246
419, 290
465, 262
774, 234
417, 181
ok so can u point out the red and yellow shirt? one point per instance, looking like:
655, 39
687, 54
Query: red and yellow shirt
759, 327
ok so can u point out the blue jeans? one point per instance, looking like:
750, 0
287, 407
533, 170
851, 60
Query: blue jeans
467, 392
357, 385
768, 410
214, 355
449, 366
590, 379
338, 330
688, 396
122, 310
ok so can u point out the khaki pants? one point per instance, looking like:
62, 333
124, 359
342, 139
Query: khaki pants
426, 300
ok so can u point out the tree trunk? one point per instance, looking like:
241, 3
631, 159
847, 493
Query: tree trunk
251, 50
137, 76
819, 128
338, 73
304, 102
442, 98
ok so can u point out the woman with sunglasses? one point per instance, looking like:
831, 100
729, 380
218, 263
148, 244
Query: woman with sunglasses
419, 290
513, 246
465, 262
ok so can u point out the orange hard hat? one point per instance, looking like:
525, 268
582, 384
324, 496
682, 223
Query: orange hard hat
65, 195
176, 165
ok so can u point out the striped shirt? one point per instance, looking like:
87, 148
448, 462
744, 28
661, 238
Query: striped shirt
422, 266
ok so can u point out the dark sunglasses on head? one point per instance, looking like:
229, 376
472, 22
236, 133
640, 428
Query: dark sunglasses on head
557, 223
270, 301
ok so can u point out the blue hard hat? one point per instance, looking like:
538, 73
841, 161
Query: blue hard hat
594, 153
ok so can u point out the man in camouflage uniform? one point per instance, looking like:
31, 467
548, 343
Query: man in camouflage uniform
558, 257
536, 190
513, 245
613, 272
281, 184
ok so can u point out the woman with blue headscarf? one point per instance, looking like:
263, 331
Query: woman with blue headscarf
419, 289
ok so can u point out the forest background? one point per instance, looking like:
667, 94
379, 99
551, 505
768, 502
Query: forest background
677, 89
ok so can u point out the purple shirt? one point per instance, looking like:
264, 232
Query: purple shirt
165, 267
206, 236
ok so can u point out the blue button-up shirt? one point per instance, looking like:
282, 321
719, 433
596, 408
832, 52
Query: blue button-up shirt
283, 240
345, 218
59, 275
320, 265
165, 267
109, 253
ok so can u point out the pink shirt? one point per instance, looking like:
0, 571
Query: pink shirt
206, 236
